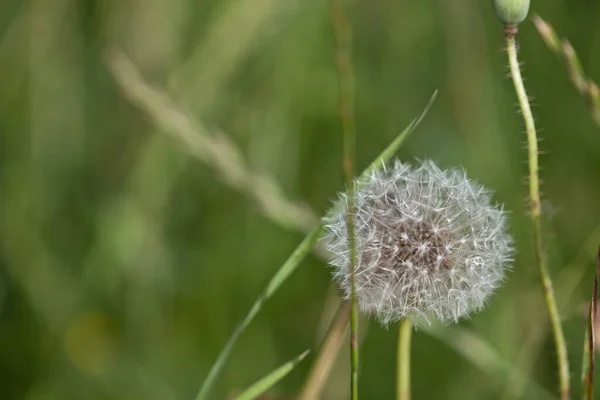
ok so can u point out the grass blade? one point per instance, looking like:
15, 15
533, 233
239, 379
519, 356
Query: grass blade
389, 152
290, 265
590, 341
214, 149
271, 379
280, 276
327, 355
563, 49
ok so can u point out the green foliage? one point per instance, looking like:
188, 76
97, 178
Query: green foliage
125, 263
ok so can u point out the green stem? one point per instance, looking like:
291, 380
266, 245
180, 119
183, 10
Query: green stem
343, 36
534, 194
403, 362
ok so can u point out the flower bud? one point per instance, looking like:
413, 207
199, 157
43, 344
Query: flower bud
511, 12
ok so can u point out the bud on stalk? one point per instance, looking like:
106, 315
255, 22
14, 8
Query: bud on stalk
511, 12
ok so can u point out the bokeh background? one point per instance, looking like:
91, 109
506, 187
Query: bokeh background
128, 255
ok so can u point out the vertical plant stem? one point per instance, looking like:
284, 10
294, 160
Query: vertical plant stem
403, 362
534, 194
589, 349
343, 38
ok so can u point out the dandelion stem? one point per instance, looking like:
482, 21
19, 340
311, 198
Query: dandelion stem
343, 37
403, 379
534, 194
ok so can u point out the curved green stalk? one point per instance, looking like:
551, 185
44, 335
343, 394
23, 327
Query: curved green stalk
534, 195
403, 361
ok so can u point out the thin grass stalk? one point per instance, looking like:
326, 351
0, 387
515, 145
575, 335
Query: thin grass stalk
589, 349
403, 362
212, 148
563, 49
327, 354
534, 197
343, 38
267, 382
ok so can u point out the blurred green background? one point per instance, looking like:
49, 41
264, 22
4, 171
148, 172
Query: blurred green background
126, 262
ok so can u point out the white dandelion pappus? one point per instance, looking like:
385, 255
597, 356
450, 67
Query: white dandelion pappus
430, 244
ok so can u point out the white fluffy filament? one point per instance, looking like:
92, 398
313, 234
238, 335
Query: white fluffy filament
430, 244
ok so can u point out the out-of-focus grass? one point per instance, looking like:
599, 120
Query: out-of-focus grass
125, 266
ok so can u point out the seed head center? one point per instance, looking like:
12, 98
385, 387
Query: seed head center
421, 245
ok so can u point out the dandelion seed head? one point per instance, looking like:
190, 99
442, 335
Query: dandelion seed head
430, 244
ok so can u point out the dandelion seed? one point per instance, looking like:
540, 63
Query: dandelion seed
430, 244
